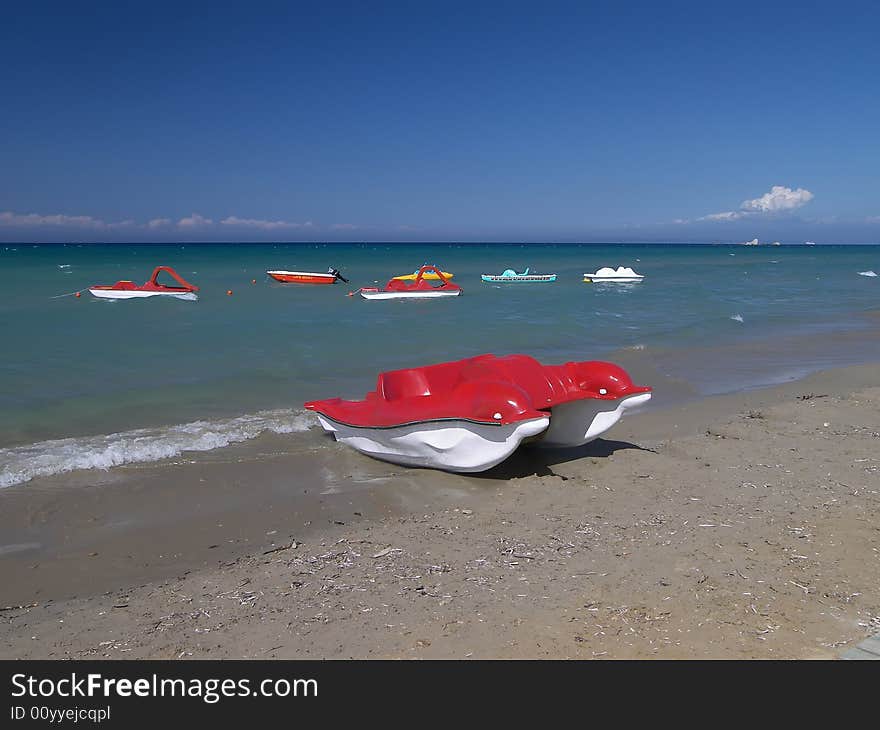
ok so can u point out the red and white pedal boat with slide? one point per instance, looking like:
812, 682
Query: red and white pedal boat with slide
470, 415
152, 288
419, 288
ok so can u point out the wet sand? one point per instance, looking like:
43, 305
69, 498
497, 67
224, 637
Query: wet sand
741, 526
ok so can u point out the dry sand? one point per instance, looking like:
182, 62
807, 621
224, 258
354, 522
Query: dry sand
743, 526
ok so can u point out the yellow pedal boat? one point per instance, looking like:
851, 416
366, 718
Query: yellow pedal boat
427, 275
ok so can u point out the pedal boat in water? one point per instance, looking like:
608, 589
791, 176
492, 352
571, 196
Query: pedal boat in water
509, 275
621, 275
307, 277
419, 288
470, 415
430, 276
151, 288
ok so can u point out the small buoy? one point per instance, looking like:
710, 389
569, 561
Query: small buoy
229, 292
253, 281
351, 294
78, 295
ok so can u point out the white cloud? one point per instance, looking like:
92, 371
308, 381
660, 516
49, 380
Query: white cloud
726, 216
194, 221
779, 199
262, 225
32, 220
11, 219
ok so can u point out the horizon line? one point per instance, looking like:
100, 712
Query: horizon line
437, 242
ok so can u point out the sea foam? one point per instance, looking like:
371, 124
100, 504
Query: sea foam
867, 273
20, 464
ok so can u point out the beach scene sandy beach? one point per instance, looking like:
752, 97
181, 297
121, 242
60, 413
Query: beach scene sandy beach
751, 534
733, 516
500, 343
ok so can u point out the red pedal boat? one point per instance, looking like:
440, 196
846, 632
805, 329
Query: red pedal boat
307, 277
469, 415
419, 288
152, 288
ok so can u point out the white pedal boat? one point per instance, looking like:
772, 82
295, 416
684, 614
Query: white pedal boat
622, 275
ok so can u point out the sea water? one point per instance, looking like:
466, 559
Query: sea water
95, 383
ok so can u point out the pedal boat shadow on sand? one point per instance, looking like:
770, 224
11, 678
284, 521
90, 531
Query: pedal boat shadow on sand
470, 415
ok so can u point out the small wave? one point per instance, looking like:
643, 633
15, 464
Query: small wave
868, 273
737, 317
22, 463
63, 266
634, 347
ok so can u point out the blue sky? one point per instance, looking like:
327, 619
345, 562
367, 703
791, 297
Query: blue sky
554, 121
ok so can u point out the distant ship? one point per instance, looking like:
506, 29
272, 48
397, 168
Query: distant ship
753, 242
809, 243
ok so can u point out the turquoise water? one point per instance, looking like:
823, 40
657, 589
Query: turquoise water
716, 318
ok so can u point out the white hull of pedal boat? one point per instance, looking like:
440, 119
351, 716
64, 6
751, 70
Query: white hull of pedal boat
578, 422
368, 294
452, 444
134, 294
620, 275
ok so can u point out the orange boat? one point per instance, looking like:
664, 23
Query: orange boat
307, 277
